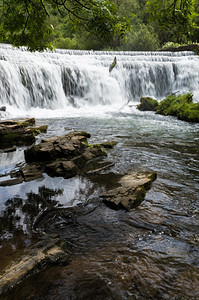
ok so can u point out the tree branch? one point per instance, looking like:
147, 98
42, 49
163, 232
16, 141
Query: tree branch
41, 1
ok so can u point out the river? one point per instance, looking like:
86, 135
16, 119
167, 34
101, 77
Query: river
151, 252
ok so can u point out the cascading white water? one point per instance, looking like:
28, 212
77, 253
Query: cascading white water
66, 80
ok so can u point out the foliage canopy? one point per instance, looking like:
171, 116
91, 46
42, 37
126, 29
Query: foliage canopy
27, 22
98, 24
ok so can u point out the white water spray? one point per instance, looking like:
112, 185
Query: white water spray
67, 82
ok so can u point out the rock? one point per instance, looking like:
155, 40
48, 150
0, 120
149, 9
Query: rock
131, 192
31, 172
109, 144
64, 168
3, 108
12, 149
19, 132
181, 106
65, 155
147, 104
48, 251
10, 182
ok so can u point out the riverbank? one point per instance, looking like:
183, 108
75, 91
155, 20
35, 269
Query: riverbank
180, 106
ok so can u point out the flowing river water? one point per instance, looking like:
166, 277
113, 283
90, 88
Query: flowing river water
150, 252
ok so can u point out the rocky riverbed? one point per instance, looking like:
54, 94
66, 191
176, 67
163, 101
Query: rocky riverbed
64, 156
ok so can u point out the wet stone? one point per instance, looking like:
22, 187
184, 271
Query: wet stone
108, 144
66, 169
64, 155
31, 172
10, 182
48, 251
132, 191
19, 133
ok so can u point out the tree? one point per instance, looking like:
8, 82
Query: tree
172, 18
27, 22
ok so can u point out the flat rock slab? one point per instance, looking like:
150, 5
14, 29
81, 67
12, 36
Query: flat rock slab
131, 192
18, 133
48, 251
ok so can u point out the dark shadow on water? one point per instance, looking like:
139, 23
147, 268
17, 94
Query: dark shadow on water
17, 222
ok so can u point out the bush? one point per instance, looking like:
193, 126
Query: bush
181, 106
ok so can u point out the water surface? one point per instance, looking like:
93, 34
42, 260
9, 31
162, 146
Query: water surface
150, 252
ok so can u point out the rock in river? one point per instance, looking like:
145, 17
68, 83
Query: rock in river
19, 132
131, 191
50, 250
65, 155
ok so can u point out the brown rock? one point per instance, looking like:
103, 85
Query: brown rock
131, 192
31, 172
108, 144
10, 182
65, 155
50, 250
19, 132
66, 169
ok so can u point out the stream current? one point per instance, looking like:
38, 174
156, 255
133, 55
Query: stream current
151, 252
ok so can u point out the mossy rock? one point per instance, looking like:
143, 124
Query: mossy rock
9, 139
189, 112
147, 104
181, 106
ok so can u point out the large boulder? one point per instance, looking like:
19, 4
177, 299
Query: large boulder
131, 191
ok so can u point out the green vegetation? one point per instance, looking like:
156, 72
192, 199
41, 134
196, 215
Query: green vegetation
180, 106
147, 104
175, 18
99, 24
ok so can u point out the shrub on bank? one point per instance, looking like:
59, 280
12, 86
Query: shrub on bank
180, 106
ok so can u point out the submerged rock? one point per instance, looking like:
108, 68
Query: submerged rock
131, 192
19, 133
48, 251
108, 144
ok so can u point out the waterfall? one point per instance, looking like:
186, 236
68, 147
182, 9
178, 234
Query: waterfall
74, 79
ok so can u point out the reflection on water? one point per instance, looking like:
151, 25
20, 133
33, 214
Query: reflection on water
20, 214
151, 252
27, 207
